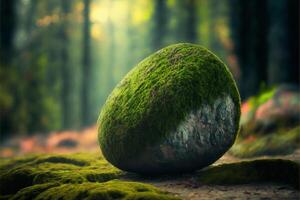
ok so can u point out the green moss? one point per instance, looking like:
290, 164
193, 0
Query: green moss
156, 96
114, 189
254, 123
262, 97
279, 143
256, 171
110, 190
76, 168
248, 123
32, 192
74, 176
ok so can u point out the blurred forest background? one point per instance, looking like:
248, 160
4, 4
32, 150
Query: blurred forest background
60, 59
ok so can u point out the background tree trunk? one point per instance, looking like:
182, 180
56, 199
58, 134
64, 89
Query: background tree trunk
111, 48
284, 42
191, 21
7, 71
186, 25
66, 71
249, 22
86, 62
7, 29
159, 26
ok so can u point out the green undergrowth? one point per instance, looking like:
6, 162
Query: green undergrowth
252, 122
256, 171
281, 142
74, 176
248, 124
154, 97
262, 97
114, 189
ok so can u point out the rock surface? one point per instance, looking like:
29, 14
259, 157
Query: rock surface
178, 110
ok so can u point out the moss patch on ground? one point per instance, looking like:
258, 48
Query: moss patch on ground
114, 189
154, 97
75, 176
281, 142
256, 171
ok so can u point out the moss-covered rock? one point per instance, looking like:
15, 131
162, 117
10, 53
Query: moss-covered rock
281, 142
256, 171
75, 176
177, 110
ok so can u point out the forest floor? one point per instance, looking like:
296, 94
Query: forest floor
187, 187
184, 186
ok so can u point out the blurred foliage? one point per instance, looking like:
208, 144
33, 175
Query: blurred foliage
43, 77
269, 123
272, 109
41, 88
280, 142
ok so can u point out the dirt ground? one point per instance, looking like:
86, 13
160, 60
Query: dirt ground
187, 188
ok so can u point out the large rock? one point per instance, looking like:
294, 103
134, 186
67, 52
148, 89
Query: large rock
178, 110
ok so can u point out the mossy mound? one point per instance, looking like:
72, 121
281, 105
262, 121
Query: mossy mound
177, 110
76, 176
281, 142
269, 123
22, 172
114, 189
256, 171
272, 109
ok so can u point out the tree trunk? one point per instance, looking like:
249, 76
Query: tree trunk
191, 21
86, 62
7, 29
66, 71
284, 42
186, 25
249, 34
159, 26
131, 39
111, 47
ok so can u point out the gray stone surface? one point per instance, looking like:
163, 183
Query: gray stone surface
203, 137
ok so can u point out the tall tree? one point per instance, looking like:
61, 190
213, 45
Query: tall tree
7, 70
250, 38
86, 62
65, 66
284, 42
186, 21
191, 21
7, 29
159, 26
111, 47
130, 38
215, 13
